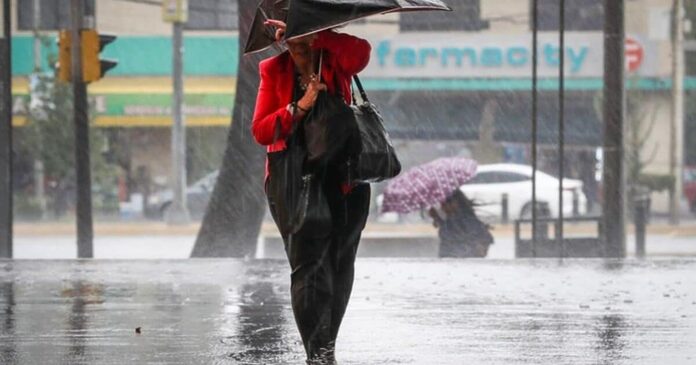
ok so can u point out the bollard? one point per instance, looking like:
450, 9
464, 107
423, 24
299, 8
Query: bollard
640, 215
542, 225
576, 203
505, 214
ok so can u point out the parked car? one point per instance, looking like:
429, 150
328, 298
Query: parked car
492, 181
197, 198
489, 184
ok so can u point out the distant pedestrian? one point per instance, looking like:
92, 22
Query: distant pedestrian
461, 232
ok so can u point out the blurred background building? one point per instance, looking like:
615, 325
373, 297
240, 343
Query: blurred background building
448, 84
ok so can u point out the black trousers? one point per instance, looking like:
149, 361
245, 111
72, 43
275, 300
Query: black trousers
323, 269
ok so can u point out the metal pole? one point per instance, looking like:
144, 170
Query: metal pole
85, 233
37, 40
677, 117
561, 124
39, 192
505, 208
178, 212
535, 57
613, 110
5, 132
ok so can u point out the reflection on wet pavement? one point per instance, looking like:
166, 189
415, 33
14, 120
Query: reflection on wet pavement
402, 312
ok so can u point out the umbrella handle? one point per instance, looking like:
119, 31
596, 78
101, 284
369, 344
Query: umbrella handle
363, 94
321, 59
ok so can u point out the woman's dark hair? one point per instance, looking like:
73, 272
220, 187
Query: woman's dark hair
462, 202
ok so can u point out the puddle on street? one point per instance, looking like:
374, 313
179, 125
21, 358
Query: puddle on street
402, 312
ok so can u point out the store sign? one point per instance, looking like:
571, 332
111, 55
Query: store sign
175, 11
634, 55
447, 55
146, 110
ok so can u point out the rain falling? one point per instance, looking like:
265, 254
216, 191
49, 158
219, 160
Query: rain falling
354, 182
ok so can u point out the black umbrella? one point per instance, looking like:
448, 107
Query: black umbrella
262, 36
305, 17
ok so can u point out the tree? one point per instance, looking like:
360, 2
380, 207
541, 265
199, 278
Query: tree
641, 117
232, 222
49, 137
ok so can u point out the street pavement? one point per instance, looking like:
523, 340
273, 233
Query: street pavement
403, 311
374, 244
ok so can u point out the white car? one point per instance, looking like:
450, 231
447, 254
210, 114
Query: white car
492, 181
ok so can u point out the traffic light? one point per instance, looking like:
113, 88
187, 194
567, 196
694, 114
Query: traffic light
64, 60
93, 43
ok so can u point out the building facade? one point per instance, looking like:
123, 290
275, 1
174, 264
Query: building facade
447, 83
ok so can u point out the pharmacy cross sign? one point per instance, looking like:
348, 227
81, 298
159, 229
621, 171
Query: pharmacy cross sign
633, 54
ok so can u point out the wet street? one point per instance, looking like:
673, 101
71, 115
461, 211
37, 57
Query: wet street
403, 311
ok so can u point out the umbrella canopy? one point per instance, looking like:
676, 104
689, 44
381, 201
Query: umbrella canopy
305, 17
262, 36
427, 185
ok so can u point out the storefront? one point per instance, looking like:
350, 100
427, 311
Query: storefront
470, 90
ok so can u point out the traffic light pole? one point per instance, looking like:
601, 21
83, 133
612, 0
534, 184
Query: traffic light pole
676, 128
5, 132
85, 233
178, 212
614, 105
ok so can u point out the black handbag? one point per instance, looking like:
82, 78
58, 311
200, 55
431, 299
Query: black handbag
298, 202
330, 128
376, 160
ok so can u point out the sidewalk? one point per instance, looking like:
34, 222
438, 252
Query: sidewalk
156, 240
154, 228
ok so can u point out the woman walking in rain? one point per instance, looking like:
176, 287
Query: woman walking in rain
461, 232
322, 265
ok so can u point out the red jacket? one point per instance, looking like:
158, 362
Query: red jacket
344, 56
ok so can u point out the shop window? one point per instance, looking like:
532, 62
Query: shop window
203, 14
690, 58
465, 16
212, 15
54, 14
581, 15
497, 177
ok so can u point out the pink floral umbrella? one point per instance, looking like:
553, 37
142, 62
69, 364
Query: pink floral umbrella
427, 185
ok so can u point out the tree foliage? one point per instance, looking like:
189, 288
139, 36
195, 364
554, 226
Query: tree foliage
49, 137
